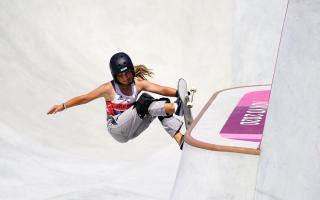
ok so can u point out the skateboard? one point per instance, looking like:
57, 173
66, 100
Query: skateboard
186, 98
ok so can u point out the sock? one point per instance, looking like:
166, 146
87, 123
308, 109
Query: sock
175, 107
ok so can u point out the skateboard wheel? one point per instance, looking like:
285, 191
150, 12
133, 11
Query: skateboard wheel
193, 89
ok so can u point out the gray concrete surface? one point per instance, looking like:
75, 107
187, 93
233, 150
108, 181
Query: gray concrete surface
289, 164
205, 174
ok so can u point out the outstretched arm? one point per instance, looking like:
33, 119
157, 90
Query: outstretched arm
158, 89
98, 92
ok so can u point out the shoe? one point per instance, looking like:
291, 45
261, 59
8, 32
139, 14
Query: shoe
179, 110
182, 142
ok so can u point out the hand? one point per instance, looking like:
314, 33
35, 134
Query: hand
55, 109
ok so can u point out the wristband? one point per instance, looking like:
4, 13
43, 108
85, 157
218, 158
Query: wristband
64, 106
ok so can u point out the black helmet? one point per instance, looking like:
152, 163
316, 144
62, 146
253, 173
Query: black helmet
120, 62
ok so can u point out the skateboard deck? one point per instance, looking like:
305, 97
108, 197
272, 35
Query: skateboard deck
186, 102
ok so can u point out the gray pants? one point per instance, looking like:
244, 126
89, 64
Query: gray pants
129, 125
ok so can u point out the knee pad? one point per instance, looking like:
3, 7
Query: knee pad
143, 103
167, 100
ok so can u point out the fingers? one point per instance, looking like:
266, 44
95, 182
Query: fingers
54, 110
51, 111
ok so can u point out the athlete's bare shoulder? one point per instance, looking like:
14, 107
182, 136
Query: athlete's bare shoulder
141, 83
107, 85
108, 91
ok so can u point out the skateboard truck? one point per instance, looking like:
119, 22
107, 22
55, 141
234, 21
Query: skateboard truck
189, 98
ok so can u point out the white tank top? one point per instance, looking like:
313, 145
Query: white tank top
121, 102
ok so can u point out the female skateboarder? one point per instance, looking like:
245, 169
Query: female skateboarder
127, 115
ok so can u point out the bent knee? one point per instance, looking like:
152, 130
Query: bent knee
143, 104
123, 141
119, 138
